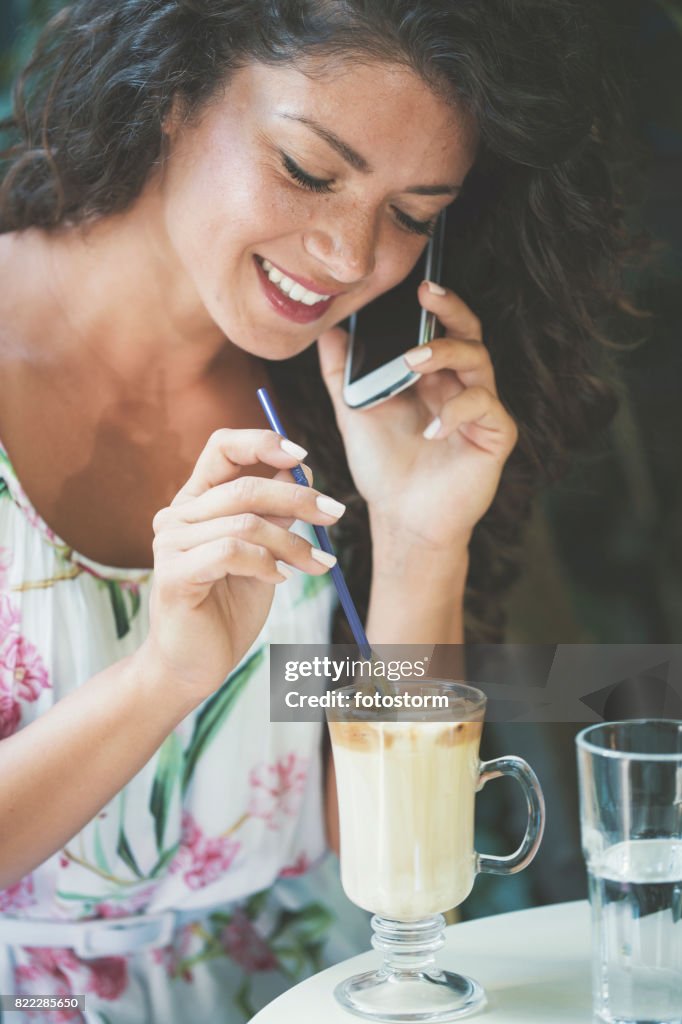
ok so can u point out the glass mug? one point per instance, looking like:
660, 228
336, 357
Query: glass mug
406, 785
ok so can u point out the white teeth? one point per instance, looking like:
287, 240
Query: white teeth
291, 288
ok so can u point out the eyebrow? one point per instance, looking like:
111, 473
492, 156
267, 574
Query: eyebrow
358, 162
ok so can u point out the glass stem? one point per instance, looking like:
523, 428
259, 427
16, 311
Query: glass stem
409, 948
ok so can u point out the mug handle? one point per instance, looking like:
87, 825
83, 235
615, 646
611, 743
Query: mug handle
535, 802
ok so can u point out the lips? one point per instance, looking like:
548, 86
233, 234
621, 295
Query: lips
295, 311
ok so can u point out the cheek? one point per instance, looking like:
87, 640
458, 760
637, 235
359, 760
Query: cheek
396, 263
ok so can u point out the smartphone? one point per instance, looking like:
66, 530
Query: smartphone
382, 331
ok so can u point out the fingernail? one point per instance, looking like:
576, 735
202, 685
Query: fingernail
323, 557
331, 507
285, 570
292, 449
432, 429
418, 355
435, 289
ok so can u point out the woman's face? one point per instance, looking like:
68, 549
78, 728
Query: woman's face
330, 182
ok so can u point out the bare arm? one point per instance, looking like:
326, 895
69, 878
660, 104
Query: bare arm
59, 771
415, 599
219, 550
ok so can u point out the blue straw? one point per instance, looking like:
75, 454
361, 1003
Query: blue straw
322, 537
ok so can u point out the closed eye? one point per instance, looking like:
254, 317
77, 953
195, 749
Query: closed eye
417, 227
307, 180
324, 185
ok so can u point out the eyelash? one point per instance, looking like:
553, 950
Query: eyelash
323, 185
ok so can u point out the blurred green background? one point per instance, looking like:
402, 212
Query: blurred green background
603, 559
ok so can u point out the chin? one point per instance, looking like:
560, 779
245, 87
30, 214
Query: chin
265, 345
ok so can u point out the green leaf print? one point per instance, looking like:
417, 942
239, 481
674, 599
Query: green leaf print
312, 585
135, 601
126, 854
168, 772
242, 999
80, 897
100, 856
118, 607
215, 711
309, 925
163, 860
4, 489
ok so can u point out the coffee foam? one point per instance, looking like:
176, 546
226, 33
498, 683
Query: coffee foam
373, 735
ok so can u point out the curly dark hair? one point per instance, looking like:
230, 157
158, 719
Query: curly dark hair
536, 240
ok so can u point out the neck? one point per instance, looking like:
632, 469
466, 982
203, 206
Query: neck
115, 292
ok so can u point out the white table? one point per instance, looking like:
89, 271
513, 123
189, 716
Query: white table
533, 964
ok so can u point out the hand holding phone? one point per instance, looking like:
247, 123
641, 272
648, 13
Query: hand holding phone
385, 329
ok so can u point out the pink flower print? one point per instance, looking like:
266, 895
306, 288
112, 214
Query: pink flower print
202, 859
22, 672
61, 972
5, 563
241, 941
171, 957
108, 976
17, 896
191, 833
299, 867
9, 617
10, 712
47, 973
277, 789
30, 673
135, 902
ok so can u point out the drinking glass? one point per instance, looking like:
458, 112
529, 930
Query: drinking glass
630, 776
406, 780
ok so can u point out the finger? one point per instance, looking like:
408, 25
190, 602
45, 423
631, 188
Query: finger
285, 474
480, 417
255, 494
454, 314
332, 346
284, 546
435, 389
469, 359
227, 451
213, 561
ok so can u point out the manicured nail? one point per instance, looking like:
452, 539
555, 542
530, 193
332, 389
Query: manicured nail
323, 557
435, 289
418, 355
432, 429
331, 507
292, 449
285, 570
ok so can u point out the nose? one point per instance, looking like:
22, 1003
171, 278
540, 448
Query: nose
345, 246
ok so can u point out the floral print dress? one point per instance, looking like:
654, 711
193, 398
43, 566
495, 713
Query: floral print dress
224, 824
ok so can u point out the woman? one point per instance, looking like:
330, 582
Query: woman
179, 165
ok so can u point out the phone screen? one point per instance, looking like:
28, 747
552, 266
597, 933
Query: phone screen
388, 326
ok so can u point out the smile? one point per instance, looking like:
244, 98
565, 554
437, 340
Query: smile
291, 298
290, 287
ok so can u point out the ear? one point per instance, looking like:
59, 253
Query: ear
174, 118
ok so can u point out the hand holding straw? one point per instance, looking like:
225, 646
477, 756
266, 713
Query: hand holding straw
322, 538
